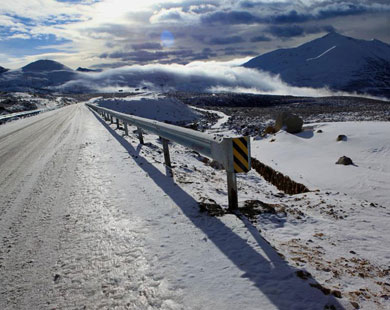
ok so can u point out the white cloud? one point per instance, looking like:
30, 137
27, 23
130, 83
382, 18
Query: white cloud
6, 21
174, 15
19, 36
198, 76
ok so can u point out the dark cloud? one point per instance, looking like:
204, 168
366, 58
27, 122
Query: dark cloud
230, 18
296, 31
343, 9
290, 17
247, 4
318, 29
226, 40
260, 38
289, 12
143, 56
207, 53
325, 10
199, 37
181, 56
286, 31
230, 50
176, 32
147, 46
170, 16
235, 51
265, 17
203, 8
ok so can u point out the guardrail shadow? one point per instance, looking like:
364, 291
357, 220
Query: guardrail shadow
269, 273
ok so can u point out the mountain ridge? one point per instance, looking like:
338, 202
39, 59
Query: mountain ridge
334, 61
2, 69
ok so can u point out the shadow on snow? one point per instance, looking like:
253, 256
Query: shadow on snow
271, 274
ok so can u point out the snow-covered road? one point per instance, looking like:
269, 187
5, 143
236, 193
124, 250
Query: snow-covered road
86, 222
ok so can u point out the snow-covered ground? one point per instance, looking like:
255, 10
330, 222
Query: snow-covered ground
19, 101
91, 218
219, 125
40, 102
310, 157
340, 239
152, 105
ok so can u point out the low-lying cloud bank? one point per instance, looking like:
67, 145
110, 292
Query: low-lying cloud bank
197, 76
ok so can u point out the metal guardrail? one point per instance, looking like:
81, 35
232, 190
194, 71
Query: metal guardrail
4, 118
232, 153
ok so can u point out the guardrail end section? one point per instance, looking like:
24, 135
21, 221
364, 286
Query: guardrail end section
241, 154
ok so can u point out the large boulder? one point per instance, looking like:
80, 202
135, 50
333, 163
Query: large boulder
291, 122
344, 160
341, 138
269, 130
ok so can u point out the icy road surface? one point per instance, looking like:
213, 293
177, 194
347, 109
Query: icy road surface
86, 223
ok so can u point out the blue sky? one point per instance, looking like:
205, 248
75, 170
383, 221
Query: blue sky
92, 33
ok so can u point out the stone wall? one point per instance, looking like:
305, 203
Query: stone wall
282, 182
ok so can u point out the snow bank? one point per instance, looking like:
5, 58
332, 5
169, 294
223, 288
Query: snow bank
310, 157
150, 106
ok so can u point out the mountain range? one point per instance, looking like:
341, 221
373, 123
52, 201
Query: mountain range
333, 61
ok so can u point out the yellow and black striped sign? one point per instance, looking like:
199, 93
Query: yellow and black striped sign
241, 156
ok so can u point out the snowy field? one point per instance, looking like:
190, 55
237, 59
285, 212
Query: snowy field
21, 101
91, 219
152, 105
309, 158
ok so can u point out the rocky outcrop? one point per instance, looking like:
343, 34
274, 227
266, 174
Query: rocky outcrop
291, 122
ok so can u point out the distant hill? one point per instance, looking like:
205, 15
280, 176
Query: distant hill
334, 61
44, 66
41, 75
2, 69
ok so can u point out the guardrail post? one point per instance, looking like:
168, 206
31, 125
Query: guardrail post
166, 152
141, 138
117, 123
232, 191
126, 128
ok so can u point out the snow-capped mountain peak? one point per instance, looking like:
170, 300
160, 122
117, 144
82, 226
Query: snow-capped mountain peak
335, 61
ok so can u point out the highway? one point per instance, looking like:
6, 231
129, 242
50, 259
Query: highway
86, 222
